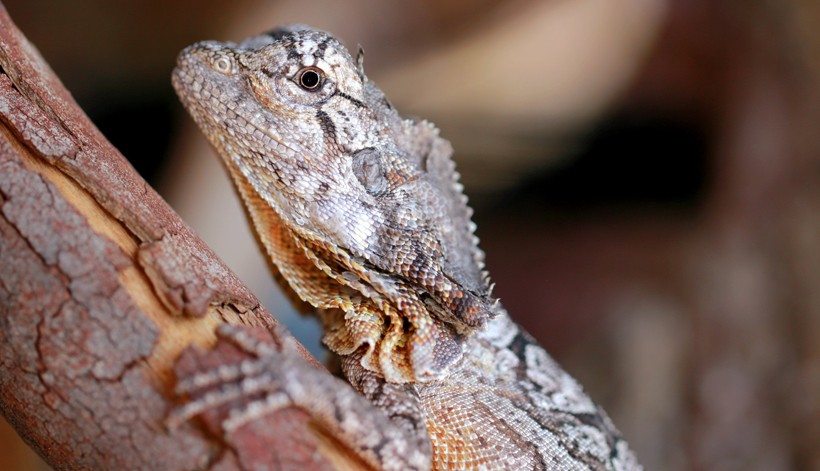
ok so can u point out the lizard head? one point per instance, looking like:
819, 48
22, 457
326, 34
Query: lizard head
369, 201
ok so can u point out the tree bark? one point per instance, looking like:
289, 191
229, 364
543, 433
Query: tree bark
103, 288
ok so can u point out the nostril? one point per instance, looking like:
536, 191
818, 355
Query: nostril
222, 64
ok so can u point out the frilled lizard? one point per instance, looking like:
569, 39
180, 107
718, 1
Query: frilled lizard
362, 214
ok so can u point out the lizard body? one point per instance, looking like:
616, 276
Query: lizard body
362, 215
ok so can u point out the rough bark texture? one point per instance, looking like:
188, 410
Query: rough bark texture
102, 288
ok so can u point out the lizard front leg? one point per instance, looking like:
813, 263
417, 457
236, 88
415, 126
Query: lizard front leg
389, 434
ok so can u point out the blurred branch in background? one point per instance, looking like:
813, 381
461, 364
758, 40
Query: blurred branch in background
645, 175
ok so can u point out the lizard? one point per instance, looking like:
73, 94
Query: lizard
363, 216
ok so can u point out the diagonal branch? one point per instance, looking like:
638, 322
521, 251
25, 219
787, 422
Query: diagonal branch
103, 287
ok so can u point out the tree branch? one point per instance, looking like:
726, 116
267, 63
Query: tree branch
103, 287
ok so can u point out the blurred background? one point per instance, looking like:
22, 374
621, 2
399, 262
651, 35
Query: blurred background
644, 173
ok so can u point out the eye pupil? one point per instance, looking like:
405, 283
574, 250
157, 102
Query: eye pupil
309, 79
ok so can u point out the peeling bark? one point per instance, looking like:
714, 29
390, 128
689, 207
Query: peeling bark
103, 287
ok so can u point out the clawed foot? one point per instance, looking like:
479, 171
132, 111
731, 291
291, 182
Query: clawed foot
245, 378
253, 383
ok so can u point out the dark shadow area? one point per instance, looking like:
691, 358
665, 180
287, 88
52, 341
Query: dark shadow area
139, 126
630, 161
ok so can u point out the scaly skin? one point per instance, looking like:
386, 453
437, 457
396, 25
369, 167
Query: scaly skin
362, 214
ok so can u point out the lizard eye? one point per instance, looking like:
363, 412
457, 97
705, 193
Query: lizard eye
310, 78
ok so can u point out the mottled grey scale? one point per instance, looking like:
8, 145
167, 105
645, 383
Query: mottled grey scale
278, 34
321, 48
327, 125
519, 344
293, 53
599, 422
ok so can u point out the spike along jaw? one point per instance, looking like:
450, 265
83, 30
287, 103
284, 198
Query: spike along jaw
372, 199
